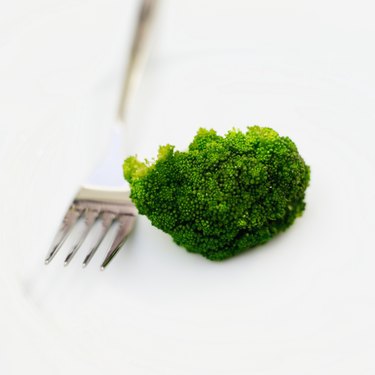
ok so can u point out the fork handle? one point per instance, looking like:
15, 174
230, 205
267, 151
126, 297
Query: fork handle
139, 53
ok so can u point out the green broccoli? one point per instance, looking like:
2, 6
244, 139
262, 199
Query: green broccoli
224, 194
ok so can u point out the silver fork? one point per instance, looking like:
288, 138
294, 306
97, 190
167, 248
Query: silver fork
109, 205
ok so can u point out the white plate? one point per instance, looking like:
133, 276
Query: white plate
301, 304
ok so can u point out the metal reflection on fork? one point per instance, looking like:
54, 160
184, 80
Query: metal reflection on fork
109, 205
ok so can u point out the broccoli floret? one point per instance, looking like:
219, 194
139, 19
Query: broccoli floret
225, 194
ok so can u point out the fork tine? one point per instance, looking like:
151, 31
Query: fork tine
107, 220
71, 217
90, 218
126, 226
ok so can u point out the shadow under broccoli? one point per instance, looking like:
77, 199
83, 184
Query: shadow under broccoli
224, 194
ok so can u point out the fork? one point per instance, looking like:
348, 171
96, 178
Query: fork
109, 205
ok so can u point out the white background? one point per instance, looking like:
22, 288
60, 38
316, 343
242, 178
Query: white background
302, 304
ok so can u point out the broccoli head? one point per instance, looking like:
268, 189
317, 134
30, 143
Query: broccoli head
225, 194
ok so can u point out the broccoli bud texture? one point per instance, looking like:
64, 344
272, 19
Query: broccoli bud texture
225, 194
